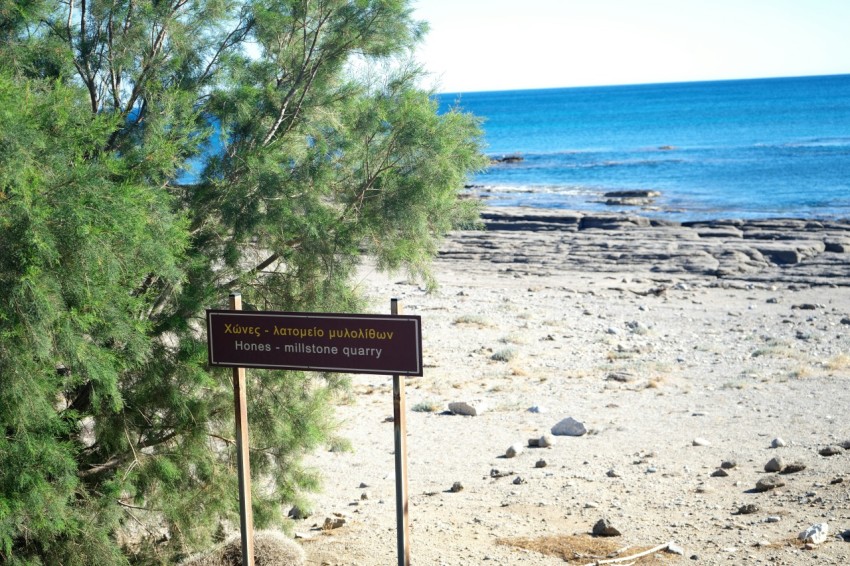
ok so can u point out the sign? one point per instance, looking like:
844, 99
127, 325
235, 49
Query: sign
349, 343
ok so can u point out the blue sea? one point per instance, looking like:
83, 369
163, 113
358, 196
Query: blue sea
759, 148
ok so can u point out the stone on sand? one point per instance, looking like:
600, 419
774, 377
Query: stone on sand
468, 408
569, 427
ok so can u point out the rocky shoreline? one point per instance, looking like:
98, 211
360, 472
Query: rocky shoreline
537, 241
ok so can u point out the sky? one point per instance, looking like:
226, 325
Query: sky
482, 45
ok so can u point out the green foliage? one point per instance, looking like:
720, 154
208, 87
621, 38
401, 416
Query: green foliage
114, 429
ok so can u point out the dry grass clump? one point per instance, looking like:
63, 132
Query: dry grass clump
504, 355
472, 320
271, 548
518, 339
800, 372
774, 351
427, 406
838, 363
584, 549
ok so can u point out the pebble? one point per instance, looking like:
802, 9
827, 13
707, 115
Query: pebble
748, 509
621, 376
777, 443
830, 450
513, 450
775, 464
298, 513
333, 523
637, 327
793, 468
537, 409
675, 549
728, 464
612, 473
701, 442
467, 408
815, 534
540, 463
546, 441
518, 480
719, 473
569, 427
769, 483
772, 519
456, 487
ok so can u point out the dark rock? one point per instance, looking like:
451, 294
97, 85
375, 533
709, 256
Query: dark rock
297, 513
837, 246
604, 528
793, 468
775, 464
632, 194
621, 376
628, 201
769, 483
508, 159
723, 232
612, 222
830, 450
728, 464
748, 509
781, 256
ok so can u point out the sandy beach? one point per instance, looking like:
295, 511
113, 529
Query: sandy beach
682, 349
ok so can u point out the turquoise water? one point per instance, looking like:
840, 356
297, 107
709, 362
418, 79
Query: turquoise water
726, 149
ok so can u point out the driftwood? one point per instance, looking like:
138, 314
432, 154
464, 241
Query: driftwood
631, 557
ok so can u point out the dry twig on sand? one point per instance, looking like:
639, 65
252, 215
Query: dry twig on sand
632, 557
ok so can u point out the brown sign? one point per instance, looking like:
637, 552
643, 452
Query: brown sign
348, 343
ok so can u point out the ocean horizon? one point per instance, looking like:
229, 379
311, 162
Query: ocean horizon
742, 148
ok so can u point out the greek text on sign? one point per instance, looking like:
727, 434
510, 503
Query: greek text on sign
350, 343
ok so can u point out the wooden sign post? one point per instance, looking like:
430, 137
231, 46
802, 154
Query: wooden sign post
243, 463
347, 343
400, 433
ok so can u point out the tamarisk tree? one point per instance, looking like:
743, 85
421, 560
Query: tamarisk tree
156, 155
